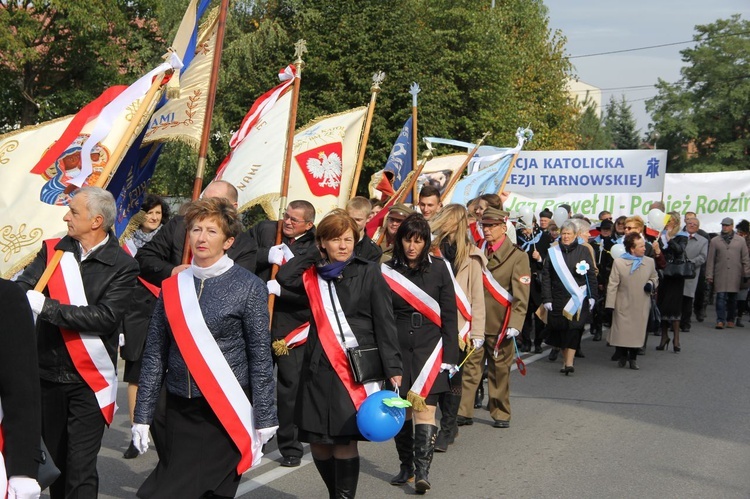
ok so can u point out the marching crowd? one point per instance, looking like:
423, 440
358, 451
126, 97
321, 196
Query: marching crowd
440, 302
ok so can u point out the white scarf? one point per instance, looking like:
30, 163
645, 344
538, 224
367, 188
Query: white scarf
222, 265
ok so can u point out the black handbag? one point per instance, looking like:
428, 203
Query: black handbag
366, 364
48, 471
654, 317
683, 268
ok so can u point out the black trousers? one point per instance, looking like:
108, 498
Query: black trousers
687, 313
72, 427
289, 370
626, 353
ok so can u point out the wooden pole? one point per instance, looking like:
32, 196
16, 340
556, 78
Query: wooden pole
377, 79
507, 174
109, 167
414, 91
213, 83
299, 49
460, 171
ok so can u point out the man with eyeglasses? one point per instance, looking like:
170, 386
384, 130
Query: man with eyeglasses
700, 300
289, 313
396, 214
696, 251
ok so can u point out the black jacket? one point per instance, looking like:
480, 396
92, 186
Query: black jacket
368, 250
323, 404
19, 384
291, 308
554, 291
109, 277
159, 256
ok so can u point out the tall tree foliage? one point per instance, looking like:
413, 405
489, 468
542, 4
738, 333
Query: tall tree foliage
57, 55
620, 124
709, 107
592, 135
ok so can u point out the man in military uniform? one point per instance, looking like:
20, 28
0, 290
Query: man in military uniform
510, 270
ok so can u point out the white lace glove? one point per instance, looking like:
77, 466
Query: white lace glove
266, 434
140, 437
548, 307
592, 303
121, 340
512, 332
36, 301
23, 487
477, 342
273, 287
276, 254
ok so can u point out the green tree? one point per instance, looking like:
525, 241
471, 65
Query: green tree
619, 125
709, 107
591, 133
56, 56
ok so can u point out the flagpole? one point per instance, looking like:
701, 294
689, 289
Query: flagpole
524, 135
507, 174
414, 91
377, 79
213, 83
460, 171
112, 163
299, 49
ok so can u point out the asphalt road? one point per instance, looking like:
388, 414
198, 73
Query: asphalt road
678, 428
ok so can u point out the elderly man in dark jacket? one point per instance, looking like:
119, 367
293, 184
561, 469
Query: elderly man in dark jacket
727, 263
74, 407
290, 312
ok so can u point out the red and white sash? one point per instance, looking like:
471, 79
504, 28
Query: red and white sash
463, 305
298, 336
325, 307
210, 368
429, 307
130, 249
502, 296
89, 355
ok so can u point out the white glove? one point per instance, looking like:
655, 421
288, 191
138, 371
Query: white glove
548, 307
451, 368
140, 437
121, 340
592, 303
512, 332
23, 487
36, 301
273, 287
267, 434
477, 342
276, 254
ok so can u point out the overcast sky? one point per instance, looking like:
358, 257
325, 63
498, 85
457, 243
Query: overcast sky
594, 26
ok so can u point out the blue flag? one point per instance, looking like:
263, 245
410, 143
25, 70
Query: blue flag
399, 161
131, 180
487, 180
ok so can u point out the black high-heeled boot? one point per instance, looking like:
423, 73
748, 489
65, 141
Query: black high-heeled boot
347, 477
327, 471
448, 426
405, 447
424, 446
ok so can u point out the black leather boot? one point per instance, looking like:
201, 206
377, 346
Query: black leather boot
424, 446
347, 477
480, 395
327, 471
448, 427
405, 447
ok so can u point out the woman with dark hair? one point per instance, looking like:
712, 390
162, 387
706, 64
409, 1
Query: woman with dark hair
569, 291
154, 214
424, 304
209, 345
632, 280
351, 307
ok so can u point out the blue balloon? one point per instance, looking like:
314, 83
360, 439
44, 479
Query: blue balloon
376, 421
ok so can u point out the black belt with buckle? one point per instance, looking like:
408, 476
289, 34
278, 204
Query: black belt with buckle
417, 320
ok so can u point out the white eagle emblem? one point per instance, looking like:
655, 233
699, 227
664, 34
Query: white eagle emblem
327, 168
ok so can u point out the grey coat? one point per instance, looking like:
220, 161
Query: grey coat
696, 251
631, 304
727, 264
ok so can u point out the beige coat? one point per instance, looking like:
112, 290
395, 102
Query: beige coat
469, 277
630, 302
727, 264
510, 268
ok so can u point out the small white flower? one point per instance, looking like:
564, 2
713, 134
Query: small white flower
582, 267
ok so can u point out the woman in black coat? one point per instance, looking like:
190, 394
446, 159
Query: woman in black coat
419, 337
565, 327
328, 398
673, 242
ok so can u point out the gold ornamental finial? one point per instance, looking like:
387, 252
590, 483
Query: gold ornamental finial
300, 48
377, 79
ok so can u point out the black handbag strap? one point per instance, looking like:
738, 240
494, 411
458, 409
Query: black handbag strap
335, 313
